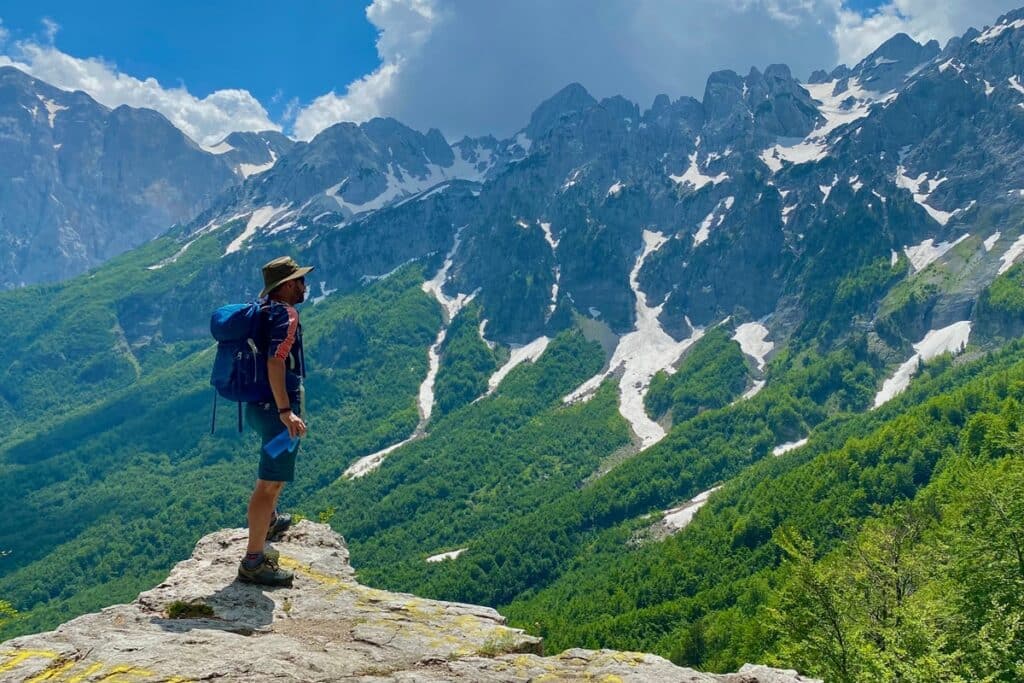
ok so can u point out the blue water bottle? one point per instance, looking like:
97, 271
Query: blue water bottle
281, 443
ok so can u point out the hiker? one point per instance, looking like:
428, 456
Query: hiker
279, 336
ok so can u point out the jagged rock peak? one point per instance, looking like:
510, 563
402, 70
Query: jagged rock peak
904, 49
327, 627
818, 76
572, 98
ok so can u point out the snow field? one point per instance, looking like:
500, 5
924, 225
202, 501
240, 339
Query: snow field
752, 338
787, 447
754, 390
680, 517
944, 340
915, 185
522, 354
693, 175
451, 307
923, 254
1011, 255
451, 555
52, 108
721, 210
640, 354
991, 240
259, 218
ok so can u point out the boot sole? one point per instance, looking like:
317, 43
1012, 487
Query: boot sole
276, 584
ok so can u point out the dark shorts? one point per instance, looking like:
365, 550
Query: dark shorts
264, 419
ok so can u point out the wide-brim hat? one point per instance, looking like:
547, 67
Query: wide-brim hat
281, 270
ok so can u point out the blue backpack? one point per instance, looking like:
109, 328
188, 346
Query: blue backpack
240, 367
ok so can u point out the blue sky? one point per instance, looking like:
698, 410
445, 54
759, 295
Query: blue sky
463, 66
275, 50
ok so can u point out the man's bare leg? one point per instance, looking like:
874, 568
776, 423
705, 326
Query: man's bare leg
261, 509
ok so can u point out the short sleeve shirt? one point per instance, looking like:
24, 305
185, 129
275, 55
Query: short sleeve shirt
282, 338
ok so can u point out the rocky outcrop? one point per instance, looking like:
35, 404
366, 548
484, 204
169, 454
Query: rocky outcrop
81, 183
327, 627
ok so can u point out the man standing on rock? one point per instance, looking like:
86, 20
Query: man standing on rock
279, 336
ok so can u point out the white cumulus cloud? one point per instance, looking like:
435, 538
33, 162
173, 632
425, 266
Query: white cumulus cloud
405, 26
206, 120
923, 20
470, 67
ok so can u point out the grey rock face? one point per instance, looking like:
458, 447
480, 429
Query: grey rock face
81, 183
350, 169
763, 193
327, 627
251, 153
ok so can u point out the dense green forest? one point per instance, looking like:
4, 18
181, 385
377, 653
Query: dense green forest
887, 548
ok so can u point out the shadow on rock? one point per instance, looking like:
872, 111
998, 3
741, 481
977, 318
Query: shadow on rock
237, 607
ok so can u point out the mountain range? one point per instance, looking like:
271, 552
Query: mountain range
790, 305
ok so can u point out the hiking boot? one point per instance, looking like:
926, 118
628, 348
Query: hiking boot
278, 526
266, 573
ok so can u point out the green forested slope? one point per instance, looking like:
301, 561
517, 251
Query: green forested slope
121, 488
114, 475
117, 485
721, 592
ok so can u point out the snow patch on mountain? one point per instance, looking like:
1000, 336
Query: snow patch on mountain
1011, 255
465, 168
678, 518
367, 279
451, 307
521, 354
483, 336
837, 108
754, 390
524, 141
435, 285
720, 210
786, 210
695, 177
259, 218
426, 393
324, 293
948, 339
52, 108
553, 243
546, 227
365, 465
254, 169
923, 254
827, 189
916, 187
788, 446
991, 240
995, 31
402, 184
639, 355
451, 555
752, 338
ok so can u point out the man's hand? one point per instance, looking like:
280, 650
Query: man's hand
296, 427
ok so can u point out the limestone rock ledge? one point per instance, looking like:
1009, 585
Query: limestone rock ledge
327, 627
